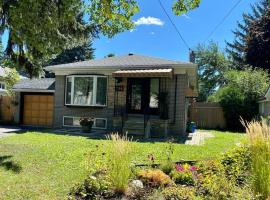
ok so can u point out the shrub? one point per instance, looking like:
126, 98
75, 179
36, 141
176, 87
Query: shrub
184, 174
239, 96
179, 193
212, 183
92, 188
154, 177
120, 150
237, 164
259, 140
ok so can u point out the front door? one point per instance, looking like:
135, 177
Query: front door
141, 95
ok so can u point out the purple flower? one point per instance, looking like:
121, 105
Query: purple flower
179, 168
193, 168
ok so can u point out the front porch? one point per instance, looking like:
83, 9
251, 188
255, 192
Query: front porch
141, 103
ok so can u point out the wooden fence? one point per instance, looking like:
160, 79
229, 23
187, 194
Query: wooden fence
6, 108
208, 115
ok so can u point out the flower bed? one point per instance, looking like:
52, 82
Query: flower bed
223, 178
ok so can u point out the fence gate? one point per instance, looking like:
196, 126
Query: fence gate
6, 108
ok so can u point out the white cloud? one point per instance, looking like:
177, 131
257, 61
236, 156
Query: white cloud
152, 33
149, 21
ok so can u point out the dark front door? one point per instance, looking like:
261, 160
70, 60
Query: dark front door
141, 95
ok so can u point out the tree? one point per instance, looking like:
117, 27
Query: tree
258, 42
239, 96
212, 64
38, 30
237, 48
76, 54
110, 55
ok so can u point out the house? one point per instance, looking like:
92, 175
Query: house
131, 93
264, 104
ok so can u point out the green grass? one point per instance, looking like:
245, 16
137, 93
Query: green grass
46, 166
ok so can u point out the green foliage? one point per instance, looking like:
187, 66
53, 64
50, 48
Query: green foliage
179, 193
93, 188
237, 49
119, 166
239, 96
76, 54
212, 64
11, 77
167, 166
183, 178
213, 183
237, 164
259, 140
258, 42
182, 6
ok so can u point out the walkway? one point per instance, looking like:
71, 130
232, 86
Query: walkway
8, 131
198, 138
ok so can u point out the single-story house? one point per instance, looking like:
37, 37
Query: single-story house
131, 93
264, 104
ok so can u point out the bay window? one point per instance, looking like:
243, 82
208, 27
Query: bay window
86, 90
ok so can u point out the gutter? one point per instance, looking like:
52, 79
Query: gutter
33, 90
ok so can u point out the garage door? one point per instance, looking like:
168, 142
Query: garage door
38, 110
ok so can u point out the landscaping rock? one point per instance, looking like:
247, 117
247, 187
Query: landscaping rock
136, 184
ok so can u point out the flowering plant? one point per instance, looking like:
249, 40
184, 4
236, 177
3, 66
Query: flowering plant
184, 174
86, 121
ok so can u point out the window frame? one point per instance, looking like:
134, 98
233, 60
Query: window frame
1, 86
94, 125
95, 78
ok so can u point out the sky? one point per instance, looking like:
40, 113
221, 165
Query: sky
154, 35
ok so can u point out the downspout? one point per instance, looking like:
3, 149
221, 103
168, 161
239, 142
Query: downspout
175, 93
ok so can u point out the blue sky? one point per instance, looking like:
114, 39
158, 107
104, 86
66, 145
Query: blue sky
159, 37
161, 40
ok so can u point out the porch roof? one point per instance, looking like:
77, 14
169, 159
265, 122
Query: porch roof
144, 73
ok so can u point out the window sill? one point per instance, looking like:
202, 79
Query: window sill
88, 106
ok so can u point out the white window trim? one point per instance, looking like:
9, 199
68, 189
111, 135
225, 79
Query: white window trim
94, 125
2, 83
94, 90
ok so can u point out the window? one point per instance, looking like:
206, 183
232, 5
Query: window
2, 86
88, 90
154, 90
99, 123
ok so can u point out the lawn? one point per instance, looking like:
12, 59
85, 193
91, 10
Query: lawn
45, 166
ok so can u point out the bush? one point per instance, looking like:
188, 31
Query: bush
154, 177
120, 151
92, 188
212, 184
179, 193
237, 164
239, 97
184, 174
259, 140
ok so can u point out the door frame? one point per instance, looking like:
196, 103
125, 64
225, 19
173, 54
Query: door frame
145, 96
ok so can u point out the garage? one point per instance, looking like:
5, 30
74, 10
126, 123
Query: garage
38, 109
36, 99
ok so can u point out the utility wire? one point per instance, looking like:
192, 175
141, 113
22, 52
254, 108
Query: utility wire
223, 19
175, 27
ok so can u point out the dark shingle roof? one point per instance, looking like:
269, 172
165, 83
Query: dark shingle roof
126, 61
35, 84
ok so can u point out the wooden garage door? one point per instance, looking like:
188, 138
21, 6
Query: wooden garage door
38, 110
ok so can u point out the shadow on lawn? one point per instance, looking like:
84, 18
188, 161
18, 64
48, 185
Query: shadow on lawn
9, 165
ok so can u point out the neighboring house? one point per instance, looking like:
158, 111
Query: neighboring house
264, 104
123, 93
2, 83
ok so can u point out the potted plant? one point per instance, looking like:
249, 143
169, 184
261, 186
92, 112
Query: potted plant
86, 123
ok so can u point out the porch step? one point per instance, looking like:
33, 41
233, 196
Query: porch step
134, 126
